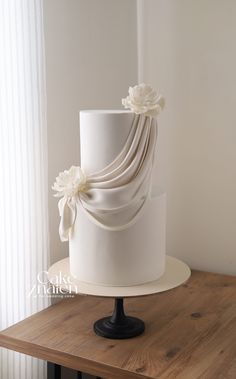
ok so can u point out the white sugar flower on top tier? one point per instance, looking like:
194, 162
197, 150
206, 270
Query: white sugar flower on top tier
143, 99
70, 182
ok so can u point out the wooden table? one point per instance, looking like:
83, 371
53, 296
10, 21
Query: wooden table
190, 333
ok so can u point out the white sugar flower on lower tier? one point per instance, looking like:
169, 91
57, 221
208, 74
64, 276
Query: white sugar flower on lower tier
143, 99
70, 182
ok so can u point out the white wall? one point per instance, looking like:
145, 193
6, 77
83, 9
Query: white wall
91, 59
188, 51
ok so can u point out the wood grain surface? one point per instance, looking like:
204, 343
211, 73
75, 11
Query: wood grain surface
190, 333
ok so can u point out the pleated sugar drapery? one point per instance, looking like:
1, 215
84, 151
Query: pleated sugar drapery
116, 196
23, 173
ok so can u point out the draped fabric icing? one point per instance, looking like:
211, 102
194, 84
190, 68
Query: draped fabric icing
116, 195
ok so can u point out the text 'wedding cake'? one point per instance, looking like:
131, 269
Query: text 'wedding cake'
111, 215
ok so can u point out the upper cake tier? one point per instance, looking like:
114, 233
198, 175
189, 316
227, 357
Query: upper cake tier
103, 134
117, 148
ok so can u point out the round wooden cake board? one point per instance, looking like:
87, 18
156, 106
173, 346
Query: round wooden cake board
176, 273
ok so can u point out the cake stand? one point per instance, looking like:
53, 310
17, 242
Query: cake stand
119, 326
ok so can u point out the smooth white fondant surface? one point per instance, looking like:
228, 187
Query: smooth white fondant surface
120, 258
176, 273
102, 137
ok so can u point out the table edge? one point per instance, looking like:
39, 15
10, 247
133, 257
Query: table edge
68, 360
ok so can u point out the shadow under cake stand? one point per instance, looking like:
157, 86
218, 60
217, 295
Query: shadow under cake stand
119, 326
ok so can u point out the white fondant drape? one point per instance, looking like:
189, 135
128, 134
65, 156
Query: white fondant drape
117, 194
23, 174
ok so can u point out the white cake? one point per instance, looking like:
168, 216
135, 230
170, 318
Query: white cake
123, 245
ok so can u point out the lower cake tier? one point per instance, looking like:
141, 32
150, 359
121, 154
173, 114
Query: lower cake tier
128, 257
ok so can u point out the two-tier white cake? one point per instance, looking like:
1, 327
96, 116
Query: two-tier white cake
113, 218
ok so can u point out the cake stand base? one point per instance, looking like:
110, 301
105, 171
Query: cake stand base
119, 326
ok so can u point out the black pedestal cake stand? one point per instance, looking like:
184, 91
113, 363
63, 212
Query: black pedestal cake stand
118, 325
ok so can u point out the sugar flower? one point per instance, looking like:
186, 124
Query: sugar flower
143, 99
70, 182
